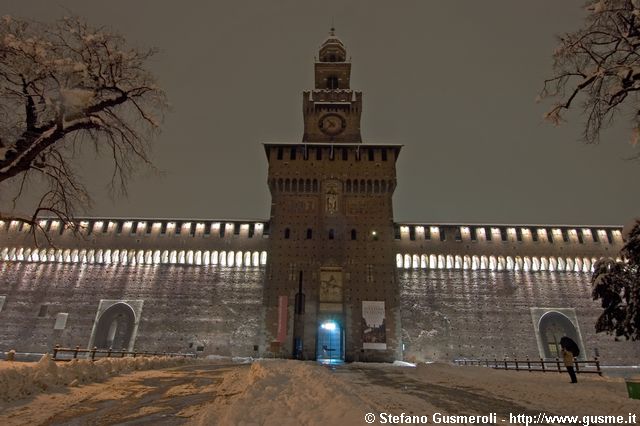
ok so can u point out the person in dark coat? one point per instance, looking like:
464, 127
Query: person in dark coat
569, 361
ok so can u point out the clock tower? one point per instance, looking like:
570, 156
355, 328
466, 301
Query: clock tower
332, 110
330, 290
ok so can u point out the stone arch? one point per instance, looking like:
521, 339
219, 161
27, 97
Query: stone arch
399, 262
407, 261
552, 326
114, 328
416, 261
433, 261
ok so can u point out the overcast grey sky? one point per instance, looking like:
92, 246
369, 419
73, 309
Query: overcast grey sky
455, 82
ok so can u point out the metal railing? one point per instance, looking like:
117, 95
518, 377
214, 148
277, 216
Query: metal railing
96, 353
583, 367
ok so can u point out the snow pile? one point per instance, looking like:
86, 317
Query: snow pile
281, 392
19, 381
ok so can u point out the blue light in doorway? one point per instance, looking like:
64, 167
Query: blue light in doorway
329, 326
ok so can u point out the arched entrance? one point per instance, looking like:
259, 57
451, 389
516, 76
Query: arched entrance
552, 327
115, 327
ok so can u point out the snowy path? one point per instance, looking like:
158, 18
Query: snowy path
281, 393
168, 396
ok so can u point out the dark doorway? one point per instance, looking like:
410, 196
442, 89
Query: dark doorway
330, 349
115, 327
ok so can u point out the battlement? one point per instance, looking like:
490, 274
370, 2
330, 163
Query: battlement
569, 248
139, 241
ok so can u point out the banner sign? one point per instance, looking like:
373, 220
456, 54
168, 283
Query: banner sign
283, 302
374, 335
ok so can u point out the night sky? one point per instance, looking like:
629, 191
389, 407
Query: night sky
454, 82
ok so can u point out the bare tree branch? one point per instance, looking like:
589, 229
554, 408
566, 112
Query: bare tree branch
599, 64
62, 86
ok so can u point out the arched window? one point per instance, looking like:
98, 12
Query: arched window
353, 234
332, 82
309, 233
287, 233
332, 234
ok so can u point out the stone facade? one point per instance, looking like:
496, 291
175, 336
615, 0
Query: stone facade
328, 276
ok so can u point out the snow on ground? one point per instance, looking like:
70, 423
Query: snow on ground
19, 380
285, 392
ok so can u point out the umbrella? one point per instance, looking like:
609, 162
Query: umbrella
568, 344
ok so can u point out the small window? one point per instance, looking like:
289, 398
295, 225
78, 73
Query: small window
353, 234
192, 229
384, 154
332, 234
207, 229
134, 228
279, 153
236, 229
309, 233
43, 310
488, 234
370, 154
519, 234
287, 233
412, 233
61, 321
292, 155
443, 236
223, 227
332, 82
396, 232
565, 235
458, 234
119, 228
178, 228
345, 154
163, 228
474, 236
148, 228
252, 230
534, 235
594, 234
580, 239
503, 234
318, 154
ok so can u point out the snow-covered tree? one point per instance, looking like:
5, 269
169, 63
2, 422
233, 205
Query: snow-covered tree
617, 285
65, 85
599, 65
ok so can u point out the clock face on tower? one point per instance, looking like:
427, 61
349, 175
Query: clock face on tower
332, 124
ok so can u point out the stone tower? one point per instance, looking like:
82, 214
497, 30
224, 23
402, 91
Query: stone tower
331, 292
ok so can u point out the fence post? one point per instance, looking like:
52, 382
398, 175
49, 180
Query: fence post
516, 361
505, 364
558, 364
123, 351
55, 351
109, 352
544, 370
93, 353
528, 364
75, 352
598, 366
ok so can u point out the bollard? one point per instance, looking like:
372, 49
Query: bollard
528, 364
93, 353
542, 364
598, 366
558, 364
75, 352
123, 351
55, 351
109, 352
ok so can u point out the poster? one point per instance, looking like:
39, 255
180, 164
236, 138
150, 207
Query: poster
374, 335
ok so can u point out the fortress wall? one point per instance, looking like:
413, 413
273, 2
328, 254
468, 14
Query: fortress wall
216, 307
485, 314
141, 234
509, 240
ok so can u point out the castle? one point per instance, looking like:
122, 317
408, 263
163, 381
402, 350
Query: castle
329, 276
